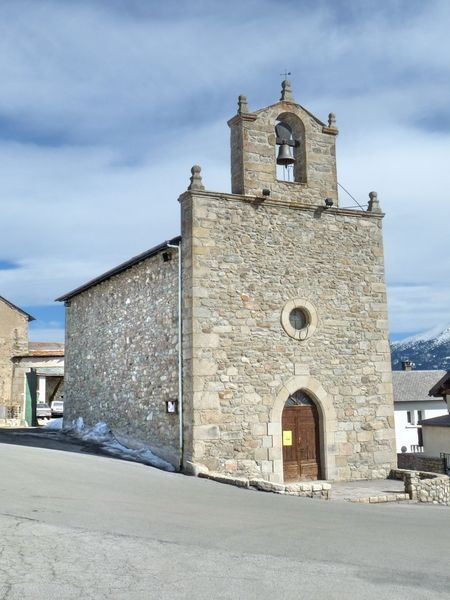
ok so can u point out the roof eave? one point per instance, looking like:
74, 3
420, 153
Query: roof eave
13, 306
119, 269
439, 387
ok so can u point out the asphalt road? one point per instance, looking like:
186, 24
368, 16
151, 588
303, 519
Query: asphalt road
78, 525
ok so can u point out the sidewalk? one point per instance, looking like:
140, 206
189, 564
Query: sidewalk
373, 491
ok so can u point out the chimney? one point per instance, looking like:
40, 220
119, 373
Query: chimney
407, 365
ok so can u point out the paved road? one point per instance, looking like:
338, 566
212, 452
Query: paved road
78, 525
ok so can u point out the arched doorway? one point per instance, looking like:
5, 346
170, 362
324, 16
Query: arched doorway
301, 438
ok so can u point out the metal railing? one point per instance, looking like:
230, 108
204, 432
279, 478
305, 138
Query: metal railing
415, 448
446, 457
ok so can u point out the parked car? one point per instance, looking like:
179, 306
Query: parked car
57, 407
43, 410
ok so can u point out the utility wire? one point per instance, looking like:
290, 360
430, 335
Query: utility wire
352, 197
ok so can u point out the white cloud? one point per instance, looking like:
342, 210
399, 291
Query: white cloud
105, 107
46, 334
410, 307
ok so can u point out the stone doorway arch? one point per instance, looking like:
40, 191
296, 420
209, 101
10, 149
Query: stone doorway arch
301, 438
327, 423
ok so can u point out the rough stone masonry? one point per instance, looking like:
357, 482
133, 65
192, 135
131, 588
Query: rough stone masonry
283, 302
13, 340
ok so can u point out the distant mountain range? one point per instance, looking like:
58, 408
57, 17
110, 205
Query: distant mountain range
430, 350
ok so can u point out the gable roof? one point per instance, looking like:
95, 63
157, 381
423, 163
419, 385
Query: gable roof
413, 386
442, 421
443, 384
122, 267
14, 307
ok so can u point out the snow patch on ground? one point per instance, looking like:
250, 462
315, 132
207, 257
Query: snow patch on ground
102, 435
54, 424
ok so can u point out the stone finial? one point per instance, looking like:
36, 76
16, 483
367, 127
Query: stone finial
332, 120
242, 105
374, 205
196, 179
286, 91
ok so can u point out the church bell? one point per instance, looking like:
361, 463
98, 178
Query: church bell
285, 157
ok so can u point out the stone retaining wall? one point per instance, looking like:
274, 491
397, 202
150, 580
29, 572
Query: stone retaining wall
421, 462
424, 486
308, 489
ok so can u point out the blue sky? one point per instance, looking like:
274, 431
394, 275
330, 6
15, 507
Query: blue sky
105, 105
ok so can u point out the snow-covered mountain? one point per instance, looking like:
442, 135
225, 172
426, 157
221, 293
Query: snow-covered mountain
429, 350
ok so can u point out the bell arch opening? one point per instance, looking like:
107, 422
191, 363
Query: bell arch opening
302, 438
290, 149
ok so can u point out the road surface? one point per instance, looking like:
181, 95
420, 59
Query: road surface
78, 525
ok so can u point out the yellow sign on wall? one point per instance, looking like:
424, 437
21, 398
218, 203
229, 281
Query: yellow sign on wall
287, 438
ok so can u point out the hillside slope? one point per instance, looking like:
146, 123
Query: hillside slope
430, 350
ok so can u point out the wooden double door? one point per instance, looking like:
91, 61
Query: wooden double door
301, 443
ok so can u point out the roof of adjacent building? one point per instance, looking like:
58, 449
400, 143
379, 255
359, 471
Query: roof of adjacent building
43, 349
441, 386
14, 307
413, 386
442, 421
120, 268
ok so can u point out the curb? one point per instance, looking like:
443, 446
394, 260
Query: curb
315, 489
380, 499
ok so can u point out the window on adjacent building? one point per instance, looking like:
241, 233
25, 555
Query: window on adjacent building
411, 417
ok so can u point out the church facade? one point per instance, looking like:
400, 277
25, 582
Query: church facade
257, 343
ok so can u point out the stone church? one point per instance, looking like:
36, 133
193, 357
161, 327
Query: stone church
256, 344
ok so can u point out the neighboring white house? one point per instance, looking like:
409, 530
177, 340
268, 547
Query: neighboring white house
436, 431
412, 404
436, 435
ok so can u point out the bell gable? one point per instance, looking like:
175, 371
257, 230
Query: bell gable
285, 150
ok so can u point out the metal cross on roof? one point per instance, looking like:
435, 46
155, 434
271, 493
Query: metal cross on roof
285, 74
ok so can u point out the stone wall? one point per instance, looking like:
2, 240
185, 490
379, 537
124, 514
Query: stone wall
13, 341
253, 149
244, 259
309, 489
121, 354
421, 462
425, 487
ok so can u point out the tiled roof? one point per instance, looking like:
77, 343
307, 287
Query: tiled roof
413, 386
43, 349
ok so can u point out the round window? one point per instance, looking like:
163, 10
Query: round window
299, 319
